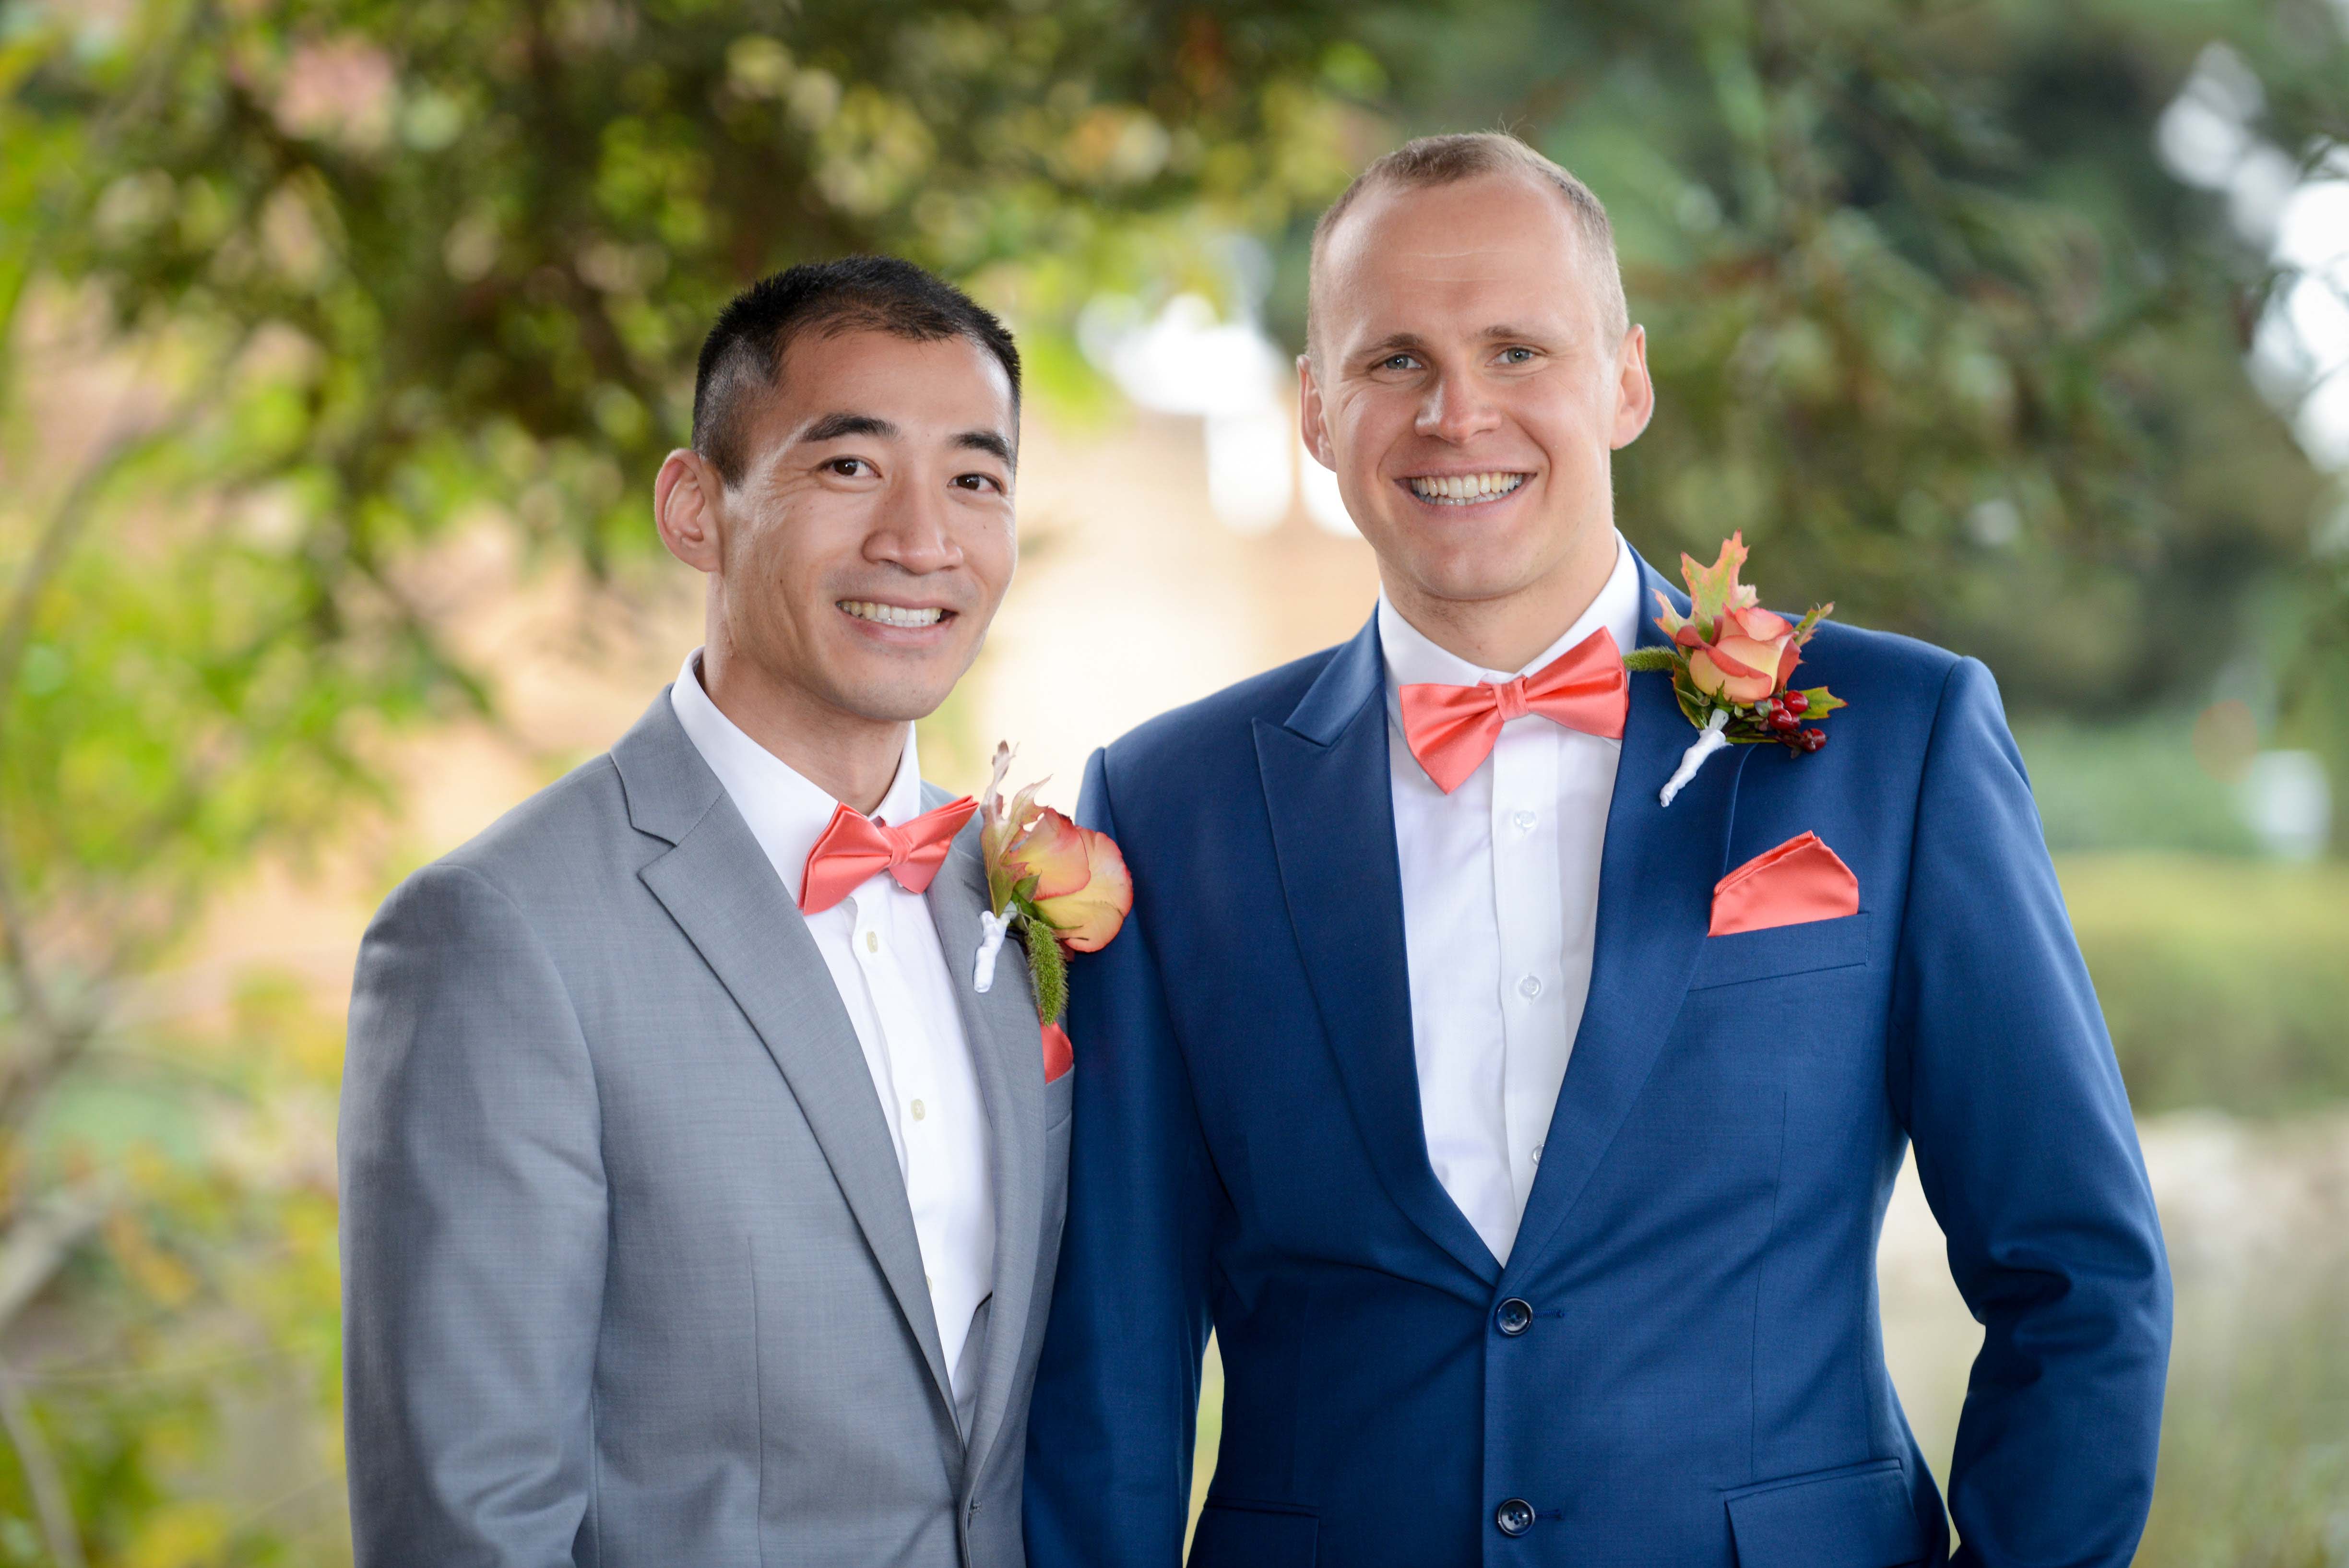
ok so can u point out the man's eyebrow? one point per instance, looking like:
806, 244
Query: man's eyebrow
833, 427
1393, 343
987, 441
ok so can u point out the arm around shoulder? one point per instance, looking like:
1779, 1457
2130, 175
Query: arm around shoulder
474, 1213
2004, 1076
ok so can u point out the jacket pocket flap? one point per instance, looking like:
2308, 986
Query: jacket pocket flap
1255, 1535
1860, 1518
1741, 956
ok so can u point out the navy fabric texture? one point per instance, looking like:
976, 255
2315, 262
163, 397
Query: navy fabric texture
1703, 1381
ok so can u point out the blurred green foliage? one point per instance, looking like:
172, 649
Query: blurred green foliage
2225, 982
2129, 786
2255, 1435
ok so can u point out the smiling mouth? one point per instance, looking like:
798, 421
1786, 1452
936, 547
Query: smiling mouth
1465, 489
894, 615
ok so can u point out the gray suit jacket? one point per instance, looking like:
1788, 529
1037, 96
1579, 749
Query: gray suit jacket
629, 1275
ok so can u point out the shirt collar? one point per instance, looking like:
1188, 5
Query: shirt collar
785, 811
1412, 657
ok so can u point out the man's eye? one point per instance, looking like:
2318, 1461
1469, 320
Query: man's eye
849, 467
1516, 356
1398, 362
977, 482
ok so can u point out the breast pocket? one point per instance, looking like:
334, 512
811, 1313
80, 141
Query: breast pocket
1743, 957
1060, 1099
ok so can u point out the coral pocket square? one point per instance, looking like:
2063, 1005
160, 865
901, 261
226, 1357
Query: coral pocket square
1800, 880
1059, 1055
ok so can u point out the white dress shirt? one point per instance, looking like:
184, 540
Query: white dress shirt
883, 950
1500, 905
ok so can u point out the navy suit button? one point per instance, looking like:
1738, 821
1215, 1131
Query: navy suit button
1514, 1517
1513, 1317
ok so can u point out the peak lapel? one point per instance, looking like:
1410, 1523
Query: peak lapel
1325, 788
1655, 893
717, 884
1007, 1051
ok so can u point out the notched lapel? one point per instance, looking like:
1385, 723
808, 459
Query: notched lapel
1655, 901
717, 885
1007, 1051
1326, 788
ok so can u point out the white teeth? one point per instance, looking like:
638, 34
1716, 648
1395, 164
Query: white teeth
891, 615
1462, 489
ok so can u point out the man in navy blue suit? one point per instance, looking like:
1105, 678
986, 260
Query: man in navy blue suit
1536, 1221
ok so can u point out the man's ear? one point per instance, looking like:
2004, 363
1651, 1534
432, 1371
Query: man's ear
1309, 424
687, 497
1635, 392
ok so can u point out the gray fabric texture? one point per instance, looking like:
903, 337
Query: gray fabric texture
629, 1274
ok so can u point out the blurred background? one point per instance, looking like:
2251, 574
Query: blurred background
340, 339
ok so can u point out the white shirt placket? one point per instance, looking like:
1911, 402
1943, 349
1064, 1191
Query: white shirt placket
1527, 901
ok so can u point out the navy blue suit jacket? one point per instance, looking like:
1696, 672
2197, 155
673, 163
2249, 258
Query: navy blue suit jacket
1702, 1380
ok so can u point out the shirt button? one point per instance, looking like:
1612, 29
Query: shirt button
1537, 1148
1523, 821
1530, 986
872, 941
919, 1112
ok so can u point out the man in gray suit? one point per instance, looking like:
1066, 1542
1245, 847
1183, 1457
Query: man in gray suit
696, 1208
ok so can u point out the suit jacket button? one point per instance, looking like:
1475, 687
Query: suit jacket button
1513, 1317
1514, 1517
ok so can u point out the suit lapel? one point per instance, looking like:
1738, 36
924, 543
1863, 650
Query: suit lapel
717, 884
1655, 894
1007, 1051
1326, 786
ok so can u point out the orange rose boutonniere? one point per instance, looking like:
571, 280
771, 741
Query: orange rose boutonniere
1064, 886
1733, 664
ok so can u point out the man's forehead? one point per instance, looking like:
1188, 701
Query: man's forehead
1495, 243
924, 388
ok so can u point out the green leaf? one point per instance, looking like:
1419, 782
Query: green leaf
1641, 659
1714, 588
1821, 702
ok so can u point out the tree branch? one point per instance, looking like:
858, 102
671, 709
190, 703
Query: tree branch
42, 1478
39, 1243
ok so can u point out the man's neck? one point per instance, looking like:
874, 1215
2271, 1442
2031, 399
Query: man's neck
851, 758
1511, 631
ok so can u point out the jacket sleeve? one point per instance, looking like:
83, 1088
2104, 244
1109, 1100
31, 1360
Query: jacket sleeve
1117, 1391
2004, 1077
473, 1223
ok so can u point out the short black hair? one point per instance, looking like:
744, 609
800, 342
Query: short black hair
743, 355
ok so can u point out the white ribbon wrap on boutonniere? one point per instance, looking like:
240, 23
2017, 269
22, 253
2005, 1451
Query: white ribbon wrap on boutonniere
1709, 741
992, 928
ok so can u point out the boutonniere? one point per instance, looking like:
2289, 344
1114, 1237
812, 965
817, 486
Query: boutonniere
1732, 664
1065, 887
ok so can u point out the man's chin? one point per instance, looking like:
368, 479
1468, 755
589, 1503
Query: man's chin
897, 698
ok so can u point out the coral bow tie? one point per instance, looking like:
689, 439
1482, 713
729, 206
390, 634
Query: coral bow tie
1451, 729
853, 846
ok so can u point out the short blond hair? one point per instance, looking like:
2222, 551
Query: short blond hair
1448, 160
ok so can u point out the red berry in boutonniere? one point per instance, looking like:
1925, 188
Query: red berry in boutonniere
1731, 661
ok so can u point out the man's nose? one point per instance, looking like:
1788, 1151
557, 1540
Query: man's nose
1455, 409
912, 529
